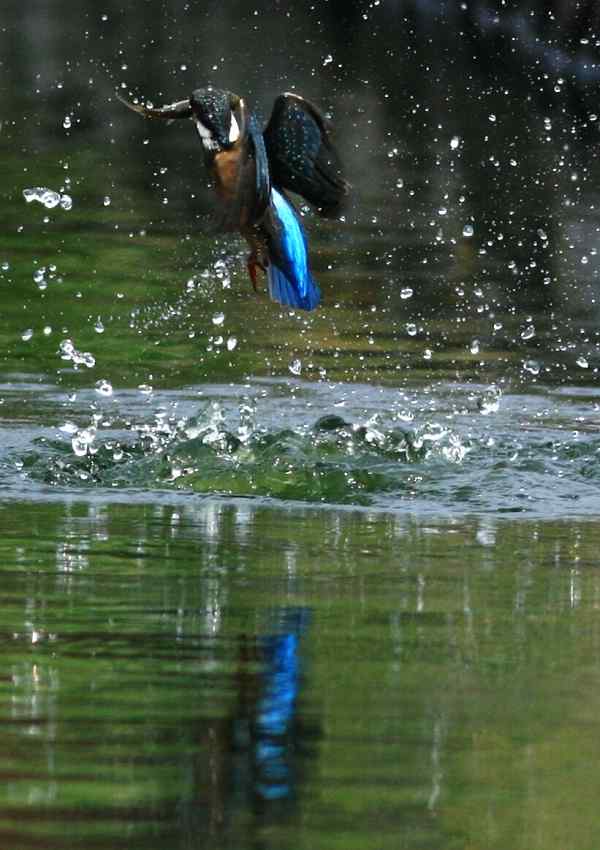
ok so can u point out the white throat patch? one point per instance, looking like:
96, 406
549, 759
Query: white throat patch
210, 144
234, 130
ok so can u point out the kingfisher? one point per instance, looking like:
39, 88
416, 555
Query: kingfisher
253, 168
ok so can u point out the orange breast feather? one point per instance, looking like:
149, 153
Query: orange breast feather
226, 167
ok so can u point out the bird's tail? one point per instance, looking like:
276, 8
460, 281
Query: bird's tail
289, 278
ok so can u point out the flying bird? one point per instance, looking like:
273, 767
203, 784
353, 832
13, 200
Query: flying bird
253, 168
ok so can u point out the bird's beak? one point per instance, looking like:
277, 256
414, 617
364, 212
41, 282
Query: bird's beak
170, 112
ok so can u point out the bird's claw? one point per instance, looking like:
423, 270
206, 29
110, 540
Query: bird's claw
254, 264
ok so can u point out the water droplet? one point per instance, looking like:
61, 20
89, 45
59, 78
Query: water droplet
328, 59
68, 428
295, 367
454, 142
218, 318
66, 202
106, 200
26, 335
5, 266
582, 362
492, 118
406, 292
411, 329
474, 347
67, 122
48, 197
468, 230
399, 183
528, 332
231, 343
99, 327
104, 387
145, 389
490, 402
82, 441
427, 354
67, 351
532, 366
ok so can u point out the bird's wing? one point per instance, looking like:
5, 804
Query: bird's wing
301, 155
254, 180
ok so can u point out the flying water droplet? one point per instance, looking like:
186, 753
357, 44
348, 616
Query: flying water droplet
82, 441
104, 387
528, 332
68, 351
26, 335
47, 197
582, 362
218, 318
532, 366
406, 292
295, 367
69, 428
67, 122
490, 401
468, 230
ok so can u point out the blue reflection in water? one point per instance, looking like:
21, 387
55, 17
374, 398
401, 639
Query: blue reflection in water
254, 756
275, 720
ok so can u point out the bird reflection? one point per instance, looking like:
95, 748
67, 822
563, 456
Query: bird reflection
253, 760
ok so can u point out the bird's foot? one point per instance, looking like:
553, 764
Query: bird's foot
253, 264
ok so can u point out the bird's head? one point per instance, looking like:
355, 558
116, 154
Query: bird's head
216, 114
219, 115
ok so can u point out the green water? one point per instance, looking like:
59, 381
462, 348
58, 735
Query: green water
285, 580
448, 694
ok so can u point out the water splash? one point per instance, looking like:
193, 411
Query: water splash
48, 197
332, 460
68, 351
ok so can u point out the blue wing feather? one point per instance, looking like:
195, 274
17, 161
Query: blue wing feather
288, 276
